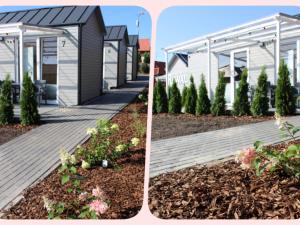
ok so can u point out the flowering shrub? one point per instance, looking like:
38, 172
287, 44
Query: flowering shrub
144, 98
102, 147
263, 158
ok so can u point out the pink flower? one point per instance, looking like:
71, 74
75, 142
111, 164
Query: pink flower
98, 206
246, 157
97, 192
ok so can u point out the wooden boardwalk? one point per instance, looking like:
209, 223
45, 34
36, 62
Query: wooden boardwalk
32, 156
172, 154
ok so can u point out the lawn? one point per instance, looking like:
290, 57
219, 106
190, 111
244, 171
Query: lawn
122, 185
166, 125
225, 191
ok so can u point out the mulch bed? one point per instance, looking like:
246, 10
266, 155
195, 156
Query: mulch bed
9, 132
224, 191
123, 188
166, 125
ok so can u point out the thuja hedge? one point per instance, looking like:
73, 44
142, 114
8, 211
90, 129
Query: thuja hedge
189, 101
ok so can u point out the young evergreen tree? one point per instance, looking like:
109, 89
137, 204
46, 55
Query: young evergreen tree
219, 103
6, 104
174, 99
260, 104
183, 96
285, 102
191, 98
241, 104
203, 102
161, 100
28, 103
154, 98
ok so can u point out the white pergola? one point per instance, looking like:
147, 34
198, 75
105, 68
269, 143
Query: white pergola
279, 28
22, 30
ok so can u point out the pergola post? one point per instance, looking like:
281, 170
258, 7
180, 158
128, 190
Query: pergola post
298, 61
277, 55
209, 68
232, 83
38, 58
21, 61
167, 79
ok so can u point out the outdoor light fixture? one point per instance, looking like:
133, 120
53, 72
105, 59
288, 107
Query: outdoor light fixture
141, 13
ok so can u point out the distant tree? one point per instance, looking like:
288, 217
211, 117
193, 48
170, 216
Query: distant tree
219, 103
154, 98
6, 104
146, 57
174, 99
28, 103
139, 57
285, 102
161, 99
203, 102
191, 98
241, 104
145, 68
260, 104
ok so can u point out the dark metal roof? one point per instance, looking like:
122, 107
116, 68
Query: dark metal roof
183, 57
116, 33
52, 16
133, 41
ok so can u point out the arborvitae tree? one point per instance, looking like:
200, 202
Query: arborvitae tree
191, 98
203, 102
154, 98
260, 104
28, 103
285, 102
6, 104
161, 100
183, 96
241, 104
219, 104
174, 99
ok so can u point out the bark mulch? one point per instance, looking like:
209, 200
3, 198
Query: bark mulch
123, 187
9, 132
224, 191
166, 125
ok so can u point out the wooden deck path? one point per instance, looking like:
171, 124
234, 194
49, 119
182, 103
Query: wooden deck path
172, 154
32, 156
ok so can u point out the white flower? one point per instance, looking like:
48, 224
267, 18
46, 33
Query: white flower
114, 127
73, 159
279, 121
83, 196
140, 96
135, 141
85, 165
91, 131
66, 158
120, 148
48, 204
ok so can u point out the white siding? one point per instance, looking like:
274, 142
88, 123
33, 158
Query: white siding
129, 63
122, 63
110, 64
7, 58
68, 67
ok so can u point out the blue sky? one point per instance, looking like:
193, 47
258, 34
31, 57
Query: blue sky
113, 15
177, 24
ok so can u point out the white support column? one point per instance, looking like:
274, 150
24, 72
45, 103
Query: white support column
167, 78
232, 82
21, 62
208, 68
277, 54
38, 58
298, 61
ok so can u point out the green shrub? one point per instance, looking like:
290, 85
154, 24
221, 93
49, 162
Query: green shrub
145, 68
161, 99
174, 99
6, 105
241, 104
285, 102
191, 98
183, 96
260, 104
219, 104
139, 57
146, 57
203, 102
28, 103
154, 99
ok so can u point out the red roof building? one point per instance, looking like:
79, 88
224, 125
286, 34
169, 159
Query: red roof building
144, 45
159, 68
